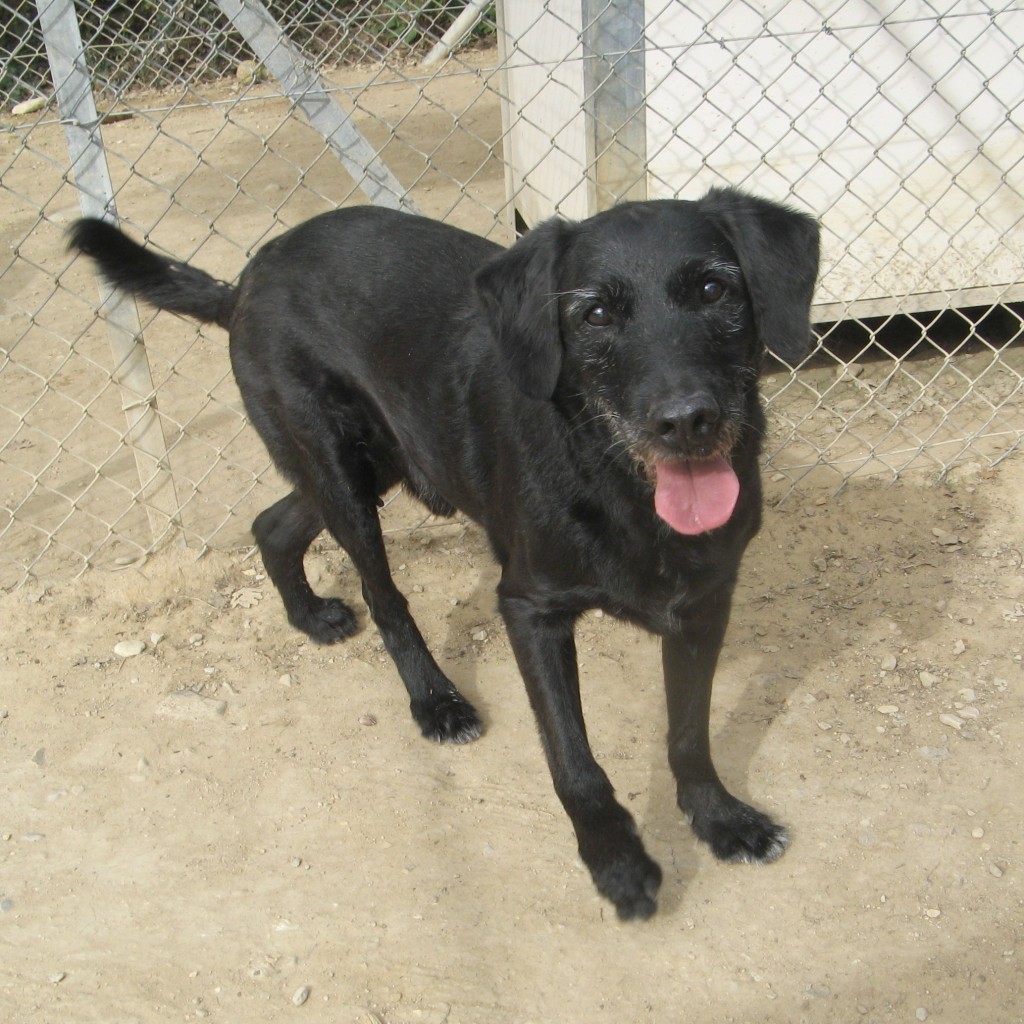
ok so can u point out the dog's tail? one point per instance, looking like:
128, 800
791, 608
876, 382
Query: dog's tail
166, 284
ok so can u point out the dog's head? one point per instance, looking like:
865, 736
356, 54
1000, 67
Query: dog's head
655, 316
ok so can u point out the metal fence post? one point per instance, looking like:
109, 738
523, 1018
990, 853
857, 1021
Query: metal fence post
88, 165
615, 98
307, 91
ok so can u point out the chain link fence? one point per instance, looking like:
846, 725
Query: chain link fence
209, 127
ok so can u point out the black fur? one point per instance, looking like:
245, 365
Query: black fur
537, 389
163, 283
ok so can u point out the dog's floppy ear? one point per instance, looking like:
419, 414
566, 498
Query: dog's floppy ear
778, 251
519, 291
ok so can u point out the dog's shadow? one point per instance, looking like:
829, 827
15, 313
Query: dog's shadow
735, 741
736, 738
471, 605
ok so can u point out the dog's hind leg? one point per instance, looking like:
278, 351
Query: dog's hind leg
283, 532
441, 712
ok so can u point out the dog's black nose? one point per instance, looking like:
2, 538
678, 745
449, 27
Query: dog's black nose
685, 422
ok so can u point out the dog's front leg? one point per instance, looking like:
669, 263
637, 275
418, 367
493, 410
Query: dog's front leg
608, 842
734, 830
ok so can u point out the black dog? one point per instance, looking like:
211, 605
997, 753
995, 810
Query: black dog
589, 396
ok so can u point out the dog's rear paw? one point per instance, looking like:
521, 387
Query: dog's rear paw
448, 718
745, 835
329, 621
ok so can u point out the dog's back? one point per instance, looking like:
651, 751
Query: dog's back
369, 294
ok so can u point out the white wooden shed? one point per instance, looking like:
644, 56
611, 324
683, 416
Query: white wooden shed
897, 123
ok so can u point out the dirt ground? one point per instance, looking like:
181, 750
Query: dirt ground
236, 825
234, 818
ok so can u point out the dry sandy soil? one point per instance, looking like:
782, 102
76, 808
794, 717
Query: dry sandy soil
235, 818
239, 826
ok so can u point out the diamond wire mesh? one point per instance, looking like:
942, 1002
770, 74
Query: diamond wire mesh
898, 124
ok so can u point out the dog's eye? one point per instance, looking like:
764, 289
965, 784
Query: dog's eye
598, 317
711, 291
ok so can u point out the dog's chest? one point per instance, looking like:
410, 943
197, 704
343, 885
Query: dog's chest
656, 584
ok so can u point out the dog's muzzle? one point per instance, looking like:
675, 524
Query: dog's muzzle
687, 426
695, 487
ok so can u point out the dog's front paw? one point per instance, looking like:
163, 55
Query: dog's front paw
743, 835
624, 874
447, 718
328, 621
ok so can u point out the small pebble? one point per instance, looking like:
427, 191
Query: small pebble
978, 833
129, 648
248, 71
958, 648
301, 995
286, 679
887, 709
888, 663
927, 679
932, 912
967, 695
995, 871
825, 726
921, 1013
190, 706
969, 712
953, 721
367, 720
29, 106
480, 635
57, 978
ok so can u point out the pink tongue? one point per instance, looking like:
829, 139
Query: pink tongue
693, 497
